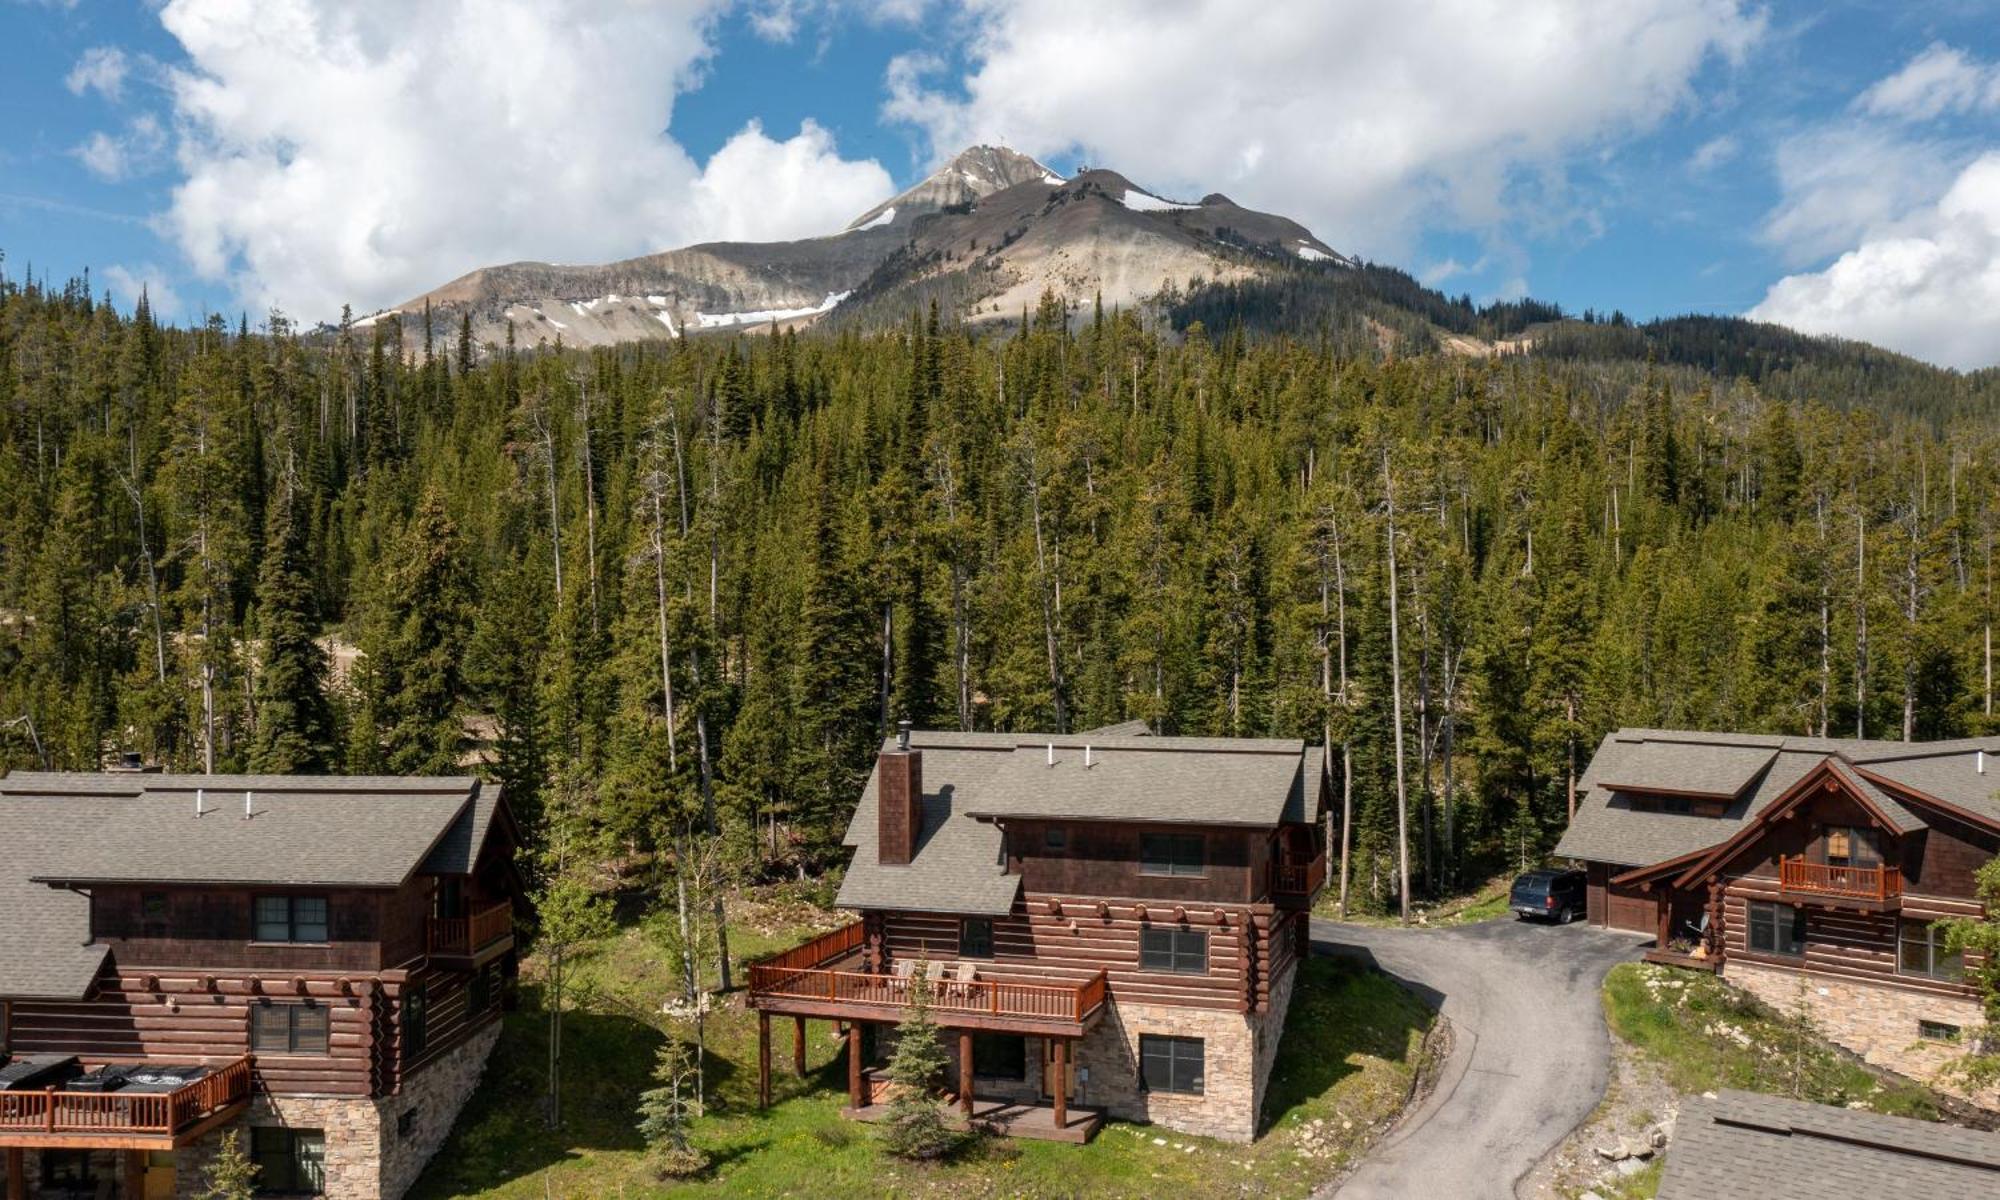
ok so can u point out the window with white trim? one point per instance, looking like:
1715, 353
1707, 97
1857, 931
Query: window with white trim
1921, 950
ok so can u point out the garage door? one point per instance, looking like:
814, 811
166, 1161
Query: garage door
1630, 908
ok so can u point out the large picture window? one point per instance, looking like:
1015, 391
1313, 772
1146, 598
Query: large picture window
1777, 928
1171, 854
290, 1162
288, 1029
1184, 951
1170, 1064
291, 918
1923, 952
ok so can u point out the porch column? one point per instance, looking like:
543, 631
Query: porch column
1059, 1086
965, 1072
134, 1162
17, 1174
1665, 904
854, 1097
763, 1060
799, 1046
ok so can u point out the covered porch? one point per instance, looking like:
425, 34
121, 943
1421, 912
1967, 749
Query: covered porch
830, 978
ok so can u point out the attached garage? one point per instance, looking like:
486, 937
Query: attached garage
1620, 906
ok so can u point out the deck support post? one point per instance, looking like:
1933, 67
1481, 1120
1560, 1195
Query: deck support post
1665, 905
854, 1096
799, 1046
135, 1174
1059, 1086
17, 1173
763, 1060
965, 1072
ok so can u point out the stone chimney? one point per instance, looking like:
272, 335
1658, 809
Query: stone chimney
899, 799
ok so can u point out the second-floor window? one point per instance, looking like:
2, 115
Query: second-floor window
975, 938
1923, 953
1183, 951
1847, 846
1171, 853
291, 918
1055, 840
288, 1029
153, 915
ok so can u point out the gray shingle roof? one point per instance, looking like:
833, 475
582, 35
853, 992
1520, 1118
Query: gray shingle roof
458, 853
1608, 829
1741, 1146
321, 830
958, 867
1720, 771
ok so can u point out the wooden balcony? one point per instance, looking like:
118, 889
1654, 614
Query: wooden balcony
1300, 880
1872, 886
472, 941
125, 1119
826, 978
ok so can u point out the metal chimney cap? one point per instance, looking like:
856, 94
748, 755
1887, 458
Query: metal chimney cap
903, 734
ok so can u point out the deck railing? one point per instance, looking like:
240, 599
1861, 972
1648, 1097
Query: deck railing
464, 935
126, 1113
991, 997
1301, 879
1852, 883
824, 949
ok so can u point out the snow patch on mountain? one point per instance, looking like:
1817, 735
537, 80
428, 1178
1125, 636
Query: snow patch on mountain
761, 316
1139, 201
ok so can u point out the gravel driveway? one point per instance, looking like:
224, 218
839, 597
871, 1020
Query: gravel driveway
1530, 1055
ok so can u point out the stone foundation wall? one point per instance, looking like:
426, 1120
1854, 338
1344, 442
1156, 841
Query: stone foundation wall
1879, 1023
369, 1155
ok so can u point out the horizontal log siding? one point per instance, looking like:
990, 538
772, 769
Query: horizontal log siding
1840, 942
215, 927
1034, 941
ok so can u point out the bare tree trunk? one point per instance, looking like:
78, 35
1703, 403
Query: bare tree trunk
589, 509
555, 519
1861, 624
1048, 616
666, 653
888, 664
1346, 747
708, 817
1396, 692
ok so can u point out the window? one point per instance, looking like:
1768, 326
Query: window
291, 918
290, 1162
153, 915
407, 1122
415, 1005
999, 1056
1923, 953
68, 1170
1170, 1064
1777, 928
288, 1029
1181, 950
1170, 854
975, 938
1939, 1031
1679, 805
1847, 846
1055, 841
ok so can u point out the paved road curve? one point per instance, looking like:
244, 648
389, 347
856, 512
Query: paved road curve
1531, 1056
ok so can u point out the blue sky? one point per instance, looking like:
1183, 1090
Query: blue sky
1836, 166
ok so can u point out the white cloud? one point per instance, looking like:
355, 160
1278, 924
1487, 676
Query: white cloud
113, 157
101, 69
1840, 181
127, 283
1929, 286
1366, 121
1714, 153
1938, 81
364, 152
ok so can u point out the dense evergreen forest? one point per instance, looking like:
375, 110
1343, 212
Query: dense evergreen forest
673, 587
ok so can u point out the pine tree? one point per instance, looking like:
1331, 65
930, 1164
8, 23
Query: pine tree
666, 1111
294, 731
915, 1124
413, 645
230, 1175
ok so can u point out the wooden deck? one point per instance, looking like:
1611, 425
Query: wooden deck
125, 1120
1009, 1119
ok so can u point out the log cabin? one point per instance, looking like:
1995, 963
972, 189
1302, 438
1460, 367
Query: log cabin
317, 962
1114, 922
1806, 870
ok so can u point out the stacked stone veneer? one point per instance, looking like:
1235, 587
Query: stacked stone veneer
368, 1155
1876, 1021
1238, 1051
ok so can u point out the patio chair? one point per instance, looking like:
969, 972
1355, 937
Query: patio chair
962, 981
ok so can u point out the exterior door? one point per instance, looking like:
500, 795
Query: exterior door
1049, 1069
1630, 908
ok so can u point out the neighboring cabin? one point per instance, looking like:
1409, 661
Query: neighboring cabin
1777, 860
318, 961
1117, 920
1743, 1145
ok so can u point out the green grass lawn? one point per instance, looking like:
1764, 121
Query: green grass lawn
1352, 1042
1705, 1035
1486, 902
